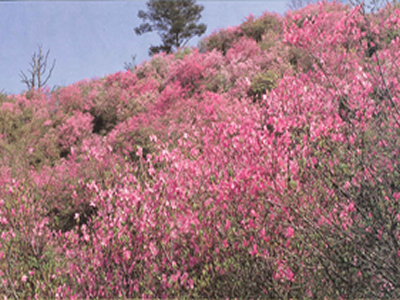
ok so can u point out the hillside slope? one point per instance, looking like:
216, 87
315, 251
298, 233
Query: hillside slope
263, 164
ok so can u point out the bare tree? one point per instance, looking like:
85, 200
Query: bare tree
37, 77
131, 65
372, 5
297, 4
294, 5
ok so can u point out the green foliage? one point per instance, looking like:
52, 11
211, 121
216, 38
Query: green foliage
300, 60
20, 127
269, 40
29, 265
256, 28
221, 41
3, 97
261, 83
253, 28
181, 53
175, 21
219, 83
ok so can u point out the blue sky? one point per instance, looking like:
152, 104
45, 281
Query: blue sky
93, 39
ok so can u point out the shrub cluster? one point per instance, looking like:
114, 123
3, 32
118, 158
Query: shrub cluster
265, 166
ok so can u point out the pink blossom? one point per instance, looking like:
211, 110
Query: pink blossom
153, 248
289, 232
289, 274
254, 251
47, 123
127, 255
227, 225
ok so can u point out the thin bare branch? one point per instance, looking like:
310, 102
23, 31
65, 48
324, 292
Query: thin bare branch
37, 76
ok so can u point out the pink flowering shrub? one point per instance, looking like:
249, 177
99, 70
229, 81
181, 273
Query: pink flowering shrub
75, 128
262, 166
70, 99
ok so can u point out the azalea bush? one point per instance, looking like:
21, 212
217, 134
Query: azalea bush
262, 165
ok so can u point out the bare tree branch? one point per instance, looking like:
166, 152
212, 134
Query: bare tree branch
36, 76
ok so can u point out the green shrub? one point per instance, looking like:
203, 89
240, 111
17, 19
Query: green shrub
261, 83
256, 28
219, 83
300, 60
181, 53
221, 41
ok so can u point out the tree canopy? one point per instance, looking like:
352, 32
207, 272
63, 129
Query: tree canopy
176, 22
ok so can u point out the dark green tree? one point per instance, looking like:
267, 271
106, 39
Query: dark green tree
176, 22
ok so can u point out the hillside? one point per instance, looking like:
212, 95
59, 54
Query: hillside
262, 164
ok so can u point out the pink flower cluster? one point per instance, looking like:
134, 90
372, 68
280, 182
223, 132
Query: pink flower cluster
172, 181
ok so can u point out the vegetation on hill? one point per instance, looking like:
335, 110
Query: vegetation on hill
174, 20
264, 164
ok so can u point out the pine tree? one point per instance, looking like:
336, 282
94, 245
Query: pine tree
176, 22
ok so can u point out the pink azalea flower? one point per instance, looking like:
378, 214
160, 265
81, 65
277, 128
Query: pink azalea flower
289, 232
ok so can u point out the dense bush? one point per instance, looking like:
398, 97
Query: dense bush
256, 28
261, 83
265, 166
221, 40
